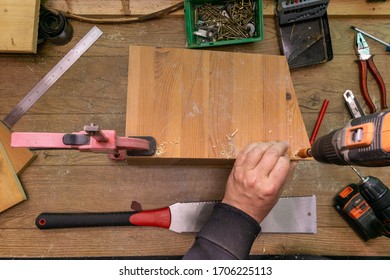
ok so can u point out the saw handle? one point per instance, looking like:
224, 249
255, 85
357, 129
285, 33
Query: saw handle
155, 218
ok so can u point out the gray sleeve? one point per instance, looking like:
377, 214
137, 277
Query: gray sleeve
228, 234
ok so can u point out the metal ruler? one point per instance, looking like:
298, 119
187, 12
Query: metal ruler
29, 100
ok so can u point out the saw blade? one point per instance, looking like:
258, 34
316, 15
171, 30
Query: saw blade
61, 67
292, 215
190, 216
289, 215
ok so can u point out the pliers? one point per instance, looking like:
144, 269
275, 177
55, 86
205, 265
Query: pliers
365, 58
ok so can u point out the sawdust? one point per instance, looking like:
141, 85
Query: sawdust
228, 146
162, 149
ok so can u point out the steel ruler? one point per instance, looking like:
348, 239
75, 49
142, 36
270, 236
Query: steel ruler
71, 57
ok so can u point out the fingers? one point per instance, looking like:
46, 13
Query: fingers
274, 156
281, 170
268, 153
254, 154
242, 156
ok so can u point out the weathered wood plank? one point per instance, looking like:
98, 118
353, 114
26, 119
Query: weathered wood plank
139, 7
148, 242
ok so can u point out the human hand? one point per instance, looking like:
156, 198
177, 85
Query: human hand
257, 178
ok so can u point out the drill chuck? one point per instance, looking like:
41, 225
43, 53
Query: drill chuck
375, 193
377, 196
366, 207
325, 150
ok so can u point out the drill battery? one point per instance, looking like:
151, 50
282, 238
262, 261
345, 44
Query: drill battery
351, 205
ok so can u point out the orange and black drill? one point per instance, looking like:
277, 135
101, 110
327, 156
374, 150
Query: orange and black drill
366, 207
364, 141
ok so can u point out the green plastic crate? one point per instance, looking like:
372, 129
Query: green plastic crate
195, 41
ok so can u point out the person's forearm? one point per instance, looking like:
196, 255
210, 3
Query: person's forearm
229, 234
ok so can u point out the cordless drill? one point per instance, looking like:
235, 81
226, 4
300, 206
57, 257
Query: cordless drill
366, 207
364, 141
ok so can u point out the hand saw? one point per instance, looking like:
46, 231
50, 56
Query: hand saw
289, 215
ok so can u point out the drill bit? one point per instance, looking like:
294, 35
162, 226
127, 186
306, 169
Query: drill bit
357, 172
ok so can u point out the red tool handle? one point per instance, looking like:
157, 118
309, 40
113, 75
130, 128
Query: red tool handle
379, 80
363, 85
319, 121
154, 218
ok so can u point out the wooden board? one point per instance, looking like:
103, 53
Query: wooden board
201, 104
19, 26
142, 7
11, 190
19, 157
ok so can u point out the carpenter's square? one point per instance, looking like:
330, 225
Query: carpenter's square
34, 94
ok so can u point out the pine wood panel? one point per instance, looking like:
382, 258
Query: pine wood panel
19, 26
201, 104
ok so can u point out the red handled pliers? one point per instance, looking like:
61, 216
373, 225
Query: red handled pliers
365, 58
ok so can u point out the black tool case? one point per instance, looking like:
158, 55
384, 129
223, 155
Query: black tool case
304, 40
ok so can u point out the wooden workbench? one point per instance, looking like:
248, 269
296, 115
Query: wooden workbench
95, 89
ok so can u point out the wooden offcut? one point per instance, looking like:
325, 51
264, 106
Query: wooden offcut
20, 158
19, 26
11, 190
208, 105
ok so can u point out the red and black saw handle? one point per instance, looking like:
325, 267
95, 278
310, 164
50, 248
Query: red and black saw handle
154, 218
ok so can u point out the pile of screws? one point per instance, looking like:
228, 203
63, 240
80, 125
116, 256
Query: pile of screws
233, 20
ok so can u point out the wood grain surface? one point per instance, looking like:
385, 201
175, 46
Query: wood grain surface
95, 90
208, 105
19, 26
20, 158
10, 188
142, 7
